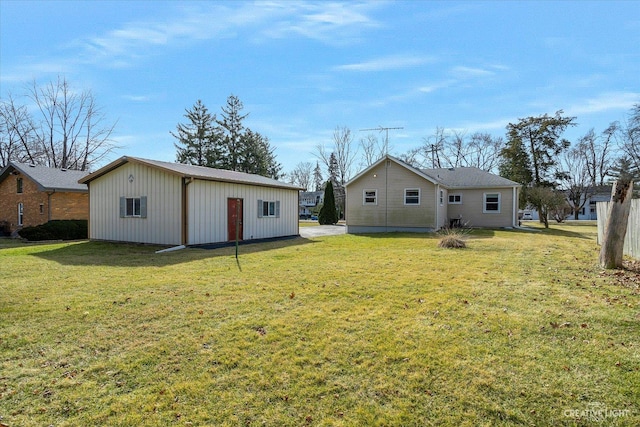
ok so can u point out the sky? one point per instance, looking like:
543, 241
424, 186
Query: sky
303, 68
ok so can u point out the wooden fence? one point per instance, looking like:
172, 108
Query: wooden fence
632, 238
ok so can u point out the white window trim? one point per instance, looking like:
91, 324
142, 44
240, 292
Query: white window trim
484, 203
441, 197
364, 196
275, 213
454, 195
405, 196
20, 214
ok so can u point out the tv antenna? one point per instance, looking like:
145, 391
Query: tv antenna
386, 139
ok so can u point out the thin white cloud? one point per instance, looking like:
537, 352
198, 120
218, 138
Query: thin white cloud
393, 62
610, 101
466, 72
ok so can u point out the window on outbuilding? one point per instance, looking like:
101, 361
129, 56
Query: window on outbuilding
268, 209
133, 207
491, 203
19, 188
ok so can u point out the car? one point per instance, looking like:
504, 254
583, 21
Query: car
526, 216
314, 217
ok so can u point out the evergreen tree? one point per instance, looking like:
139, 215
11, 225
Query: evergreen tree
317, 177
231, 123
224, 143
199, 140
333, 169
328, 214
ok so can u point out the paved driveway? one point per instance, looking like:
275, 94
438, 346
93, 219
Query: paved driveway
322, 230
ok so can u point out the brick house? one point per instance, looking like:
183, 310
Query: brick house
33, 195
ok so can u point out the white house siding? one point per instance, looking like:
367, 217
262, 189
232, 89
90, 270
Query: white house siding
390, 213
207, 211
471, 209
163, 193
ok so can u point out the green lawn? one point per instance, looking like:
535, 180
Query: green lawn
520, 328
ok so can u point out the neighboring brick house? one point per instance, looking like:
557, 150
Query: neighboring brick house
32, 195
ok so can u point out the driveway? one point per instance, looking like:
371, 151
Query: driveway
321, 230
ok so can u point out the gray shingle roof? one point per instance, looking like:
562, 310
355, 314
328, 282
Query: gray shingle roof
197, 172
468, 177
49, 179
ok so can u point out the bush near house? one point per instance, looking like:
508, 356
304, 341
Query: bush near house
73, 229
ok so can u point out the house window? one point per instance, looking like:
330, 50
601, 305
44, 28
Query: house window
412, 196
41, 208
133, 207
491, 203
20, 213
19, 185
268, 209
370, 197
455, 199
441, 197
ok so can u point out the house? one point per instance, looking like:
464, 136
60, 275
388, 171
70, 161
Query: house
588, 211
32, 195
391, 195
308, 201
149, 201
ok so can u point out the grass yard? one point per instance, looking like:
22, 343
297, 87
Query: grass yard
520, 328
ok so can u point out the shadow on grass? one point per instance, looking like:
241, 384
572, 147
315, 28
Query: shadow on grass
553, 231
140, 255
476, 233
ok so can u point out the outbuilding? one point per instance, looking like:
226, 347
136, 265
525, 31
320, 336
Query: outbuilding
149, 201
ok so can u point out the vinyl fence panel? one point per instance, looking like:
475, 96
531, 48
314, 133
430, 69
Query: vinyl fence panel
632, 238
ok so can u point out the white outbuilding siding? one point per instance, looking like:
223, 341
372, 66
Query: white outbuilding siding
135, 180
148, 201
207, 219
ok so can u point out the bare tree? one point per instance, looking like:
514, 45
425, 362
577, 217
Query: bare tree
597, 153
629, 137
71, 130
343, 151
302, 175
372, 150
16, 134
575, 179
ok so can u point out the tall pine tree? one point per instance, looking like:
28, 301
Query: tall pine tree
199, 140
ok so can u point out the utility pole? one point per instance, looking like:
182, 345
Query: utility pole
434, 155
386, 140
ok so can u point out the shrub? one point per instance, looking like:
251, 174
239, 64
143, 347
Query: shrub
57, 230
328, 213
454, 237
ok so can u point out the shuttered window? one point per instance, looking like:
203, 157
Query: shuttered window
268, 209
133, 207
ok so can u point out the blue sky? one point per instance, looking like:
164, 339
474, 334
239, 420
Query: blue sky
303, 68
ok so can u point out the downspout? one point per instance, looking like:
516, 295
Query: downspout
437, 200
185, 210
386, 195
514, 211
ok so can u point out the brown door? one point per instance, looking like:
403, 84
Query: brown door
234, 219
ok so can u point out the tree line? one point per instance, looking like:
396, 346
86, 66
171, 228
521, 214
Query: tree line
224, 142
555, 173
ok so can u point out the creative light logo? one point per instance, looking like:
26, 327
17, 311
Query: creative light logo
596, 412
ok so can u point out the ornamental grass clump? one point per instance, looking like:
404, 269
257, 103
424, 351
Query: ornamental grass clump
454, 238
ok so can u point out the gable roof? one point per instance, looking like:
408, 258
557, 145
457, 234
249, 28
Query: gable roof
468, 177
451, 178
46, 178
397, 161
191, 171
